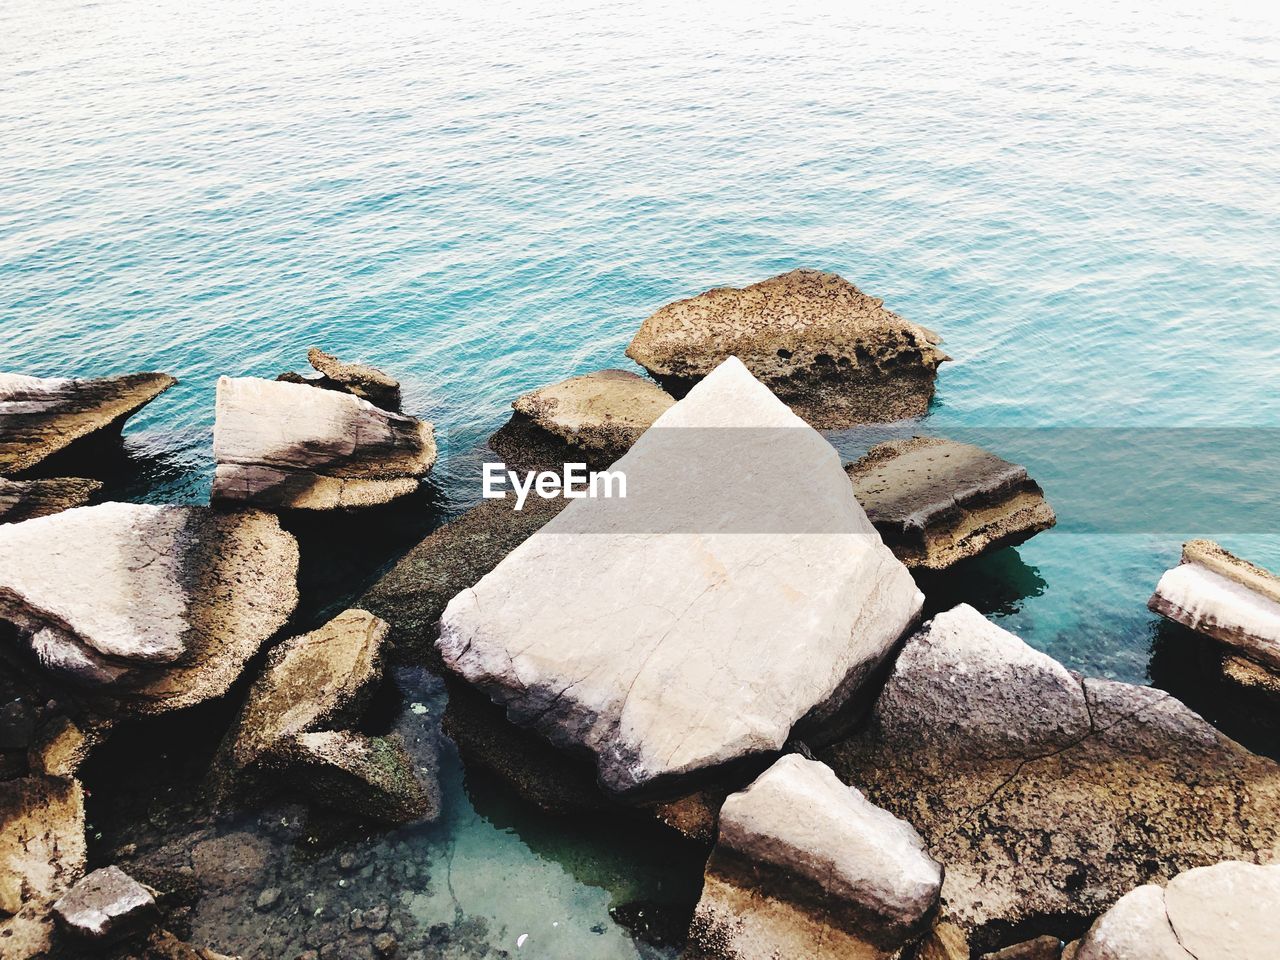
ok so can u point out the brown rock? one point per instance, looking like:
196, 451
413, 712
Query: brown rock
42, 842
24, 499
106, 905
1041, 948
368, 383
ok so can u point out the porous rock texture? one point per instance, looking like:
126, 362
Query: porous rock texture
105, 905
1228, 911
805, 866
737, 589
361, 380
1215, 593
24, 499
40, 417
163, 605
1047, 795
832, 352
285, 445
937, 502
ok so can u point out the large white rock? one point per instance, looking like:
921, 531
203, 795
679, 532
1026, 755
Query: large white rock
288, 445
736, 588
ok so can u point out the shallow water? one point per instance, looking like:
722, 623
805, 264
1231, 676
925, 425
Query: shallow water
1081, 202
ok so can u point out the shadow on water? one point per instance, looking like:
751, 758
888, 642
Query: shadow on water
996, 584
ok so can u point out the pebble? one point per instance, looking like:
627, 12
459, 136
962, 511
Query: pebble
267, 899
385, 944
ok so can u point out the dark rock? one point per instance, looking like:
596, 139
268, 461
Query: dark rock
26, 499
365, 382
1041, 948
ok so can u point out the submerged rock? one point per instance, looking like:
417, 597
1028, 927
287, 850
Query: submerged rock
283, 445
805, 867
836, 355
737, 590
1229, 911
24, 499
40, 417
163, 604
368, 777
106, 905
1048, 795
366, 382
937, 502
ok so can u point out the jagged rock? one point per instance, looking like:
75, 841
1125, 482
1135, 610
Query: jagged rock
804, 866
59, 749
369, 777
23, 499
1223, 597
1229, 911
283, 445
42, 842
1040, 948
1048, 795
162, 604
594, 418
310, 681
736, 591
163, 945
106, 905
836, 355
40, 417
936, 502
361, 380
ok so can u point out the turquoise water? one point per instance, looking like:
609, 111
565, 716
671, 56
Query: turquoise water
1081, 201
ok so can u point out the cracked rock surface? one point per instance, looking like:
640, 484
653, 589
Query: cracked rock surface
366, 382
286, 445
41, 416
832, 352
732, 593
1047, 795
26, 499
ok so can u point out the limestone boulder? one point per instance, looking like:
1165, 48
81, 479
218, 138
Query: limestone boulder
736, 591
43, 416
361, 380
163, 605
832, 352
24, 499
42, 840
369, 777
106, 905
805, 866
1047, 795
285, 445
937, 502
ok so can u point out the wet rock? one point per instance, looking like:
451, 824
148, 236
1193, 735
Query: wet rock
385, 945
731, 539
366, 382
163, 604
1048, 795
1041, 948
42, 841
367, 777
24, 499
106, 905
835, 354
267, 899
937, 502
317, 679
17, 726
233, 862
283, 445
1229, 911
1223, 597
594, 418
805, 866
40, 417
59, 748
163, 945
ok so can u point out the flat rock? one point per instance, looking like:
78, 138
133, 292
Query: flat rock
937, 502
285, 445
23, 499
1047, 795
832, 352
42, 841
105, 905
1039, 948
42, 416
361, 380
736, 590
1223, 597
805, 866
310, 681
164, 604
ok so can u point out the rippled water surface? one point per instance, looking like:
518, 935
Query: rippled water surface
1082, 202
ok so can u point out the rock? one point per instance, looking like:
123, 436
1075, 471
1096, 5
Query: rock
945, 941
1041, 948
594, 418
1048, 795
733, 607
805, 867
59, 749
369, 777
106, 905
267, 899
385, 945
283, 445
310, 681
162, 604
1229, 911
232, 862
16, 726
836, 355
40, 417
366, 382
1223, 597
42, 842
163, 945
937, 502
23, 499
